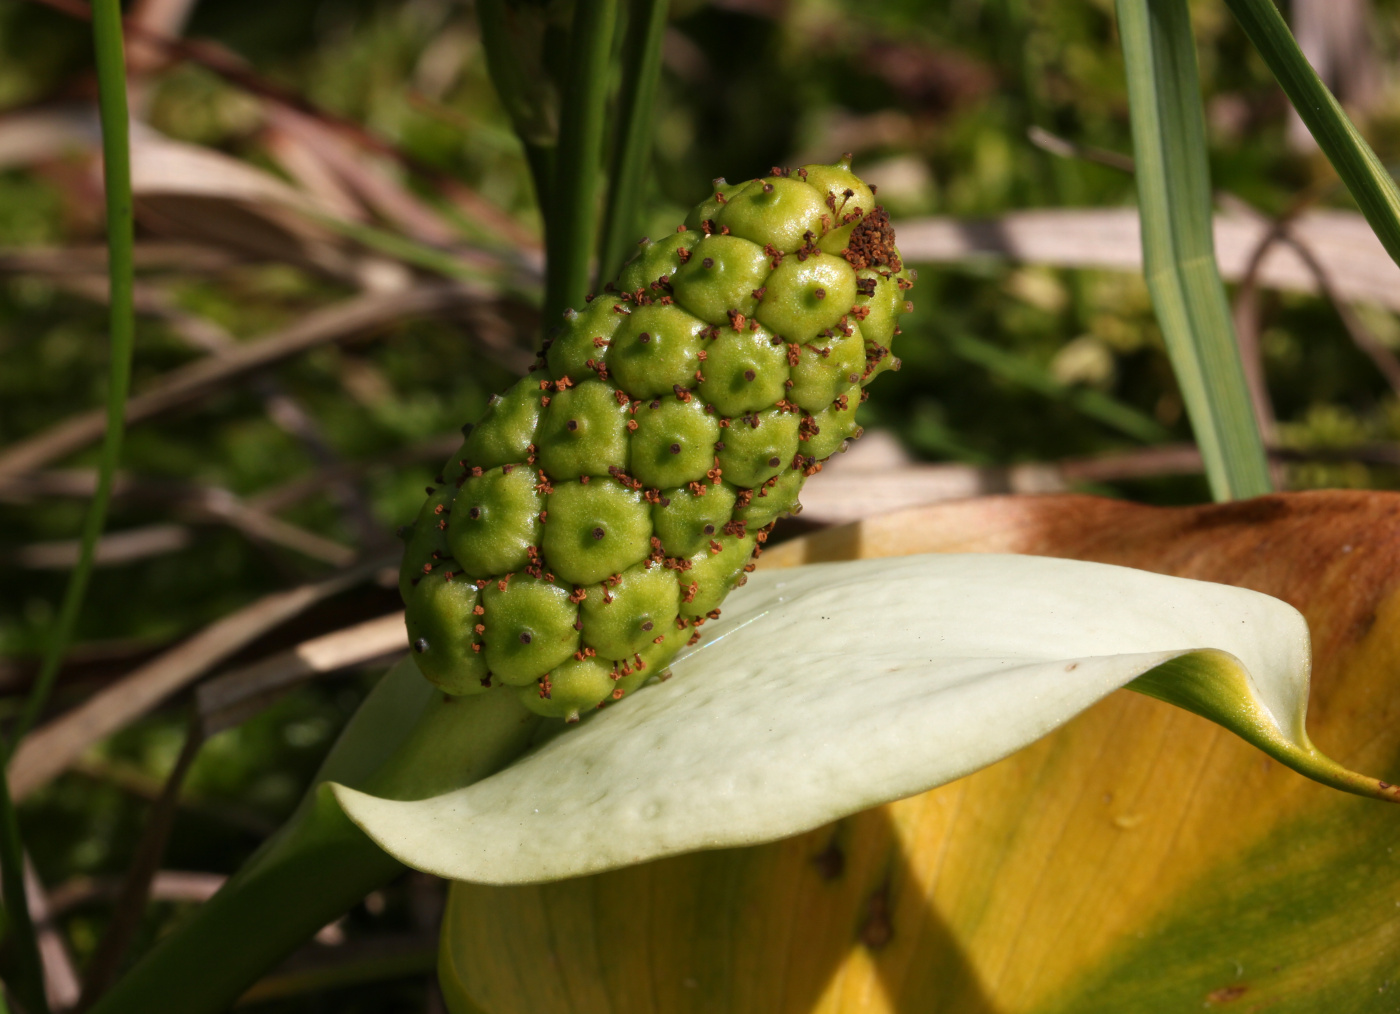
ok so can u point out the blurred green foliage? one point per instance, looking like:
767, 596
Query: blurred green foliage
936, 98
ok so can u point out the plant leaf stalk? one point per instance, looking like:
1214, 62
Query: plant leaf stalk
641, 75
116, 168
572, 223
407, 741
1368, 180
1174, 201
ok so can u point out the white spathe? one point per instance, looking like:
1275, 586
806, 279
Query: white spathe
831, 688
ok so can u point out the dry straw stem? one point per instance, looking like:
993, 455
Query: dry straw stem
52, 747
201, 504
1111, 238
234, 697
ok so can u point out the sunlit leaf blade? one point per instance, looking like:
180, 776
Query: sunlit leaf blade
1368, 180
1136, 859
1174, 201
831, 689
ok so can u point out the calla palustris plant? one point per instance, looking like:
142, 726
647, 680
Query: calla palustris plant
825, 691
1134, 859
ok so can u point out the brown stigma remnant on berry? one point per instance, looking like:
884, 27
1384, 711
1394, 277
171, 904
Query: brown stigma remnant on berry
872, 243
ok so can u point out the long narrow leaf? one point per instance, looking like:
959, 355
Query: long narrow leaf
1367, 179
116, 157
573, 224
1169, 142
636, 106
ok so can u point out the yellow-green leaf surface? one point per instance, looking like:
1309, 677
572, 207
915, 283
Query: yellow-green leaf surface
1137, 859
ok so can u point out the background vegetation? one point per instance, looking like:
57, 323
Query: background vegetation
406, 200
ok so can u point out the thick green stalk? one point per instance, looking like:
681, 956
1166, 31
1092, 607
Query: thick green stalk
573, 222
22, 949
406, 742
641, 76
1368, 180
1174, 201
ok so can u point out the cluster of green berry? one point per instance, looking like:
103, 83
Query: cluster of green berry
605, 505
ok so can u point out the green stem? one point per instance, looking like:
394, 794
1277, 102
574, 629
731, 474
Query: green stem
641, 77
320, 864
572, 233
116, 159
1174, 202
1370, 184
27, 977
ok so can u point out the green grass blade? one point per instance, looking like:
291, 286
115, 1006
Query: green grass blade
28, 977
637, 104
116, 154
571, 236
1370, 184
1174, 200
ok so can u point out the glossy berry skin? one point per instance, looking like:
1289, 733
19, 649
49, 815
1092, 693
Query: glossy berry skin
605, 505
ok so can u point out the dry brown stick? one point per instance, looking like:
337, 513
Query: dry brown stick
234, 697
92, 260
50, 748
187, 384
196, 503
112, 549
60, 978
106, 962
1245, 311
166, 885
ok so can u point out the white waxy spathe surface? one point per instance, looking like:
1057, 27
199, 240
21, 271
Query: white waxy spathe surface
828, 689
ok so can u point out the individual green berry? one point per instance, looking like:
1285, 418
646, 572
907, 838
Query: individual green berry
745, 370
824, 432
686, 518
827, 368
494, 522
656, 261
776, 212
441, 632
776, 497
597, 515
528, 627
708, 210
503, 436
713, 572
595, 529
723, 279
627, 613
656, 351
426, 539
579, 684
674, 442
806, 297
582, 341
584, 432
757, 446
